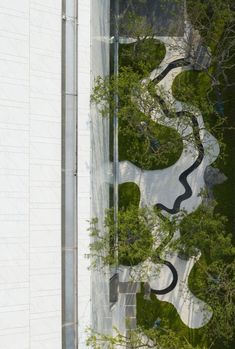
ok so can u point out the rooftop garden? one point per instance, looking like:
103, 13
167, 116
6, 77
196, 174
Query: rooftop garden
152, 144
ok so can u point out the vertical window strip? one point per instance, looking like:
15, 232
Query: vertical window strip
69, 172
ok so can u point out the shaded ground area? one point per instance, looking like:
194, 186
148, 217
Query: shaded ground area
142, 56
165, 17
225, 193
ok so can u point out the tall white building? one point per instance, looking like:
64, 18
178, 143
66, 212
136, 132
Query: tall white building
53, 170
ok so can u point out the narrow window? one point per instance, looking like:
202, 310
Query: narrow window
69, 171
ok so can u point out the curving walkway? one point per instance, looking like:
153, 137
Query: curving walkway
183, 177
175, 64
170, 188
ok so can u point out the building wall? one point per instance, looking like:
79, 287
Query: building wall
30, 164
44, 173
30, 169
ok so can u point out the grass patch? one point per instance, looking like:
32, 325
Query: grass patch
156, 147
129, 195
149, 311
192, 87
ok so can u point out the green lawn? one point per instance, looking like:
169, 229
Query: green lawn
192, 87
149, 311
136, 147
129, 195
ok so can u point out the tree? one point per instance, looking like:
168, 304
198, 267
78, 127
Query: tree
220, 293
205, 230
214, 19
213, 277
145, 140
215, 284
139, 338
146, 143
137, 231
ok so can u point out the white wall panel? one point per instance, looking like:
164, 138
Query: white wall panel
46, 65
14, 174
14, 24
21, 6
45, 179
13, 47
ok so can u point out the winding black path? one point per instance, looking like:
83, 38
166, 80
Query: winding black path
175, 64
183, 176
173, 283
